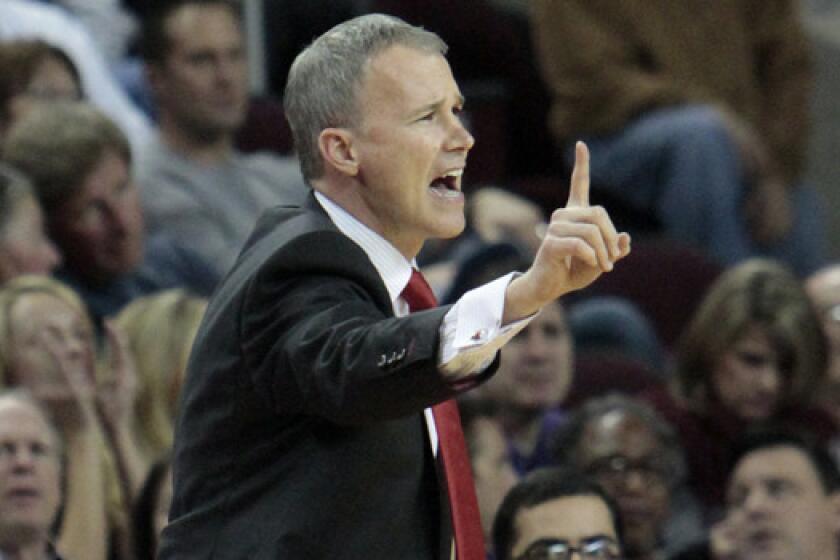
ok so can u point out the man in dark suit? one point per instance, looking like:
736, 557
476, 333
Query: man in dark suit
305, 430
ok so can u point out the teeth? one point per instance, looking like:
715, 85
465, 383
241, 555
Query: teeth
455, 173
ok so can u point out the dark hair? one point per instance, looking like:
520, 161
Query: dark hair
542, 486
155, 43
817, 455
755, 293
570, 436
143, 512
19, 60
486, 263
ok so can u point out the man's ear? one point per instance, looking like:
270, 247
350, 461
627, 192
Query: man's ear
336, 146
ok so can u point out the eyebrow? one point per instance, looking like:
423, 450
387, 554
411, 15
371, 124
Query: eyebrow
434, 105
598, 537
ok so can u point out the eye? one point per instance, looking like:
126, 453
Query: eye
39, 449
7, 449
753, 359
780, 488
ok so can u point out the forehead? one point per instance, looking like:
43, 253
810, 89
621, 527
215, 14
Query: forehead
109, 173
787, 463
551, 314
618, 433
21, 421
408, 78
571, 518
194, 26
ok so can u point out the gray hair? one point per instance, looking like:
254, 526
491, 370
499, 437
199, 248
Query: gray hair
23, 396
325, 78
571, 434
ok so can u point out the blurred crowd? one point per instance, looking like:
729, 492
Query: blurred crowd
692, 396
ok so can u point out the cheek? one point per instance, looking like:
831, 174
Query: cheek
31, 367
18, 107
82, 239
724, 382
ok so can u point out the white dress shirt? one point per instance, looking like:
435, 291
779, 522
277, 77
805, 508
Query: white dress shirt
472, 330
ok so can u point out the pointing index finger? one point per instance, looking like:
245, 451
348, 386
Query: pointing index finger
579, 189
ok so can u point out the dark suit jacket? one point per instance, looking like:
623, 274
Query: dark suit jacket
301, 434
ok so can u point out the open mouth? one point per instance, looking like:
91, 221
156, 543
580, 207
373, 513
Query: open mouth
446, 186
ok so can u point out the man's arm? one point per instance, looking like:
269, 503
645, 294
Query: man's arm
319, 345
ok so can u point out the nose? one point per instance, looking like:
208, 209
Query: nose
51, 256
229, 69
121, 212
769, 380
756, 501
634, 480
23, 460
536, 346
459, 138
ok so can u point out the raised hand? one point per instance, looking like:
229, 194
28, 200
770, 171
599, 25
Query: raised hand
70, 398
116, 393
580, 244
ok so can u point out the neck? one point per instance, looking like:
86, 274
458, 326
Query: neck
207, 149
522, 427
346, 194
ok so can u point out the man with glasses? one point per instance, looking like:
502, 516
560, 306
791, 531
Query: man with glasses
635, 456
557, 514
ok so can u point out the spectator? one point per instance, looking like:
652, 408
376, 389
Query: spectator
554, 513
21, 19
47, 347
636, 457
194, 184
33, 71
159, 330
715, 150
782, 503
79, 163
24, 245
534, 377
753, 354
493, 472
30, 479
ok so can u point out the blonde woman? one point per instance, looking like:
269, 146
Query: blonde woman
159, 330
47, 346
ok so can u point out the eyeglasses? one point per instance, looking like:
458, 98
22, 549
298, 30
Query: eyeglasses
616, 468
595, 548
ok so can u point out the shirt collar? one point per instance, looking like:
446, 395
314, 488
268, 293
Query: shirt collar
392, 266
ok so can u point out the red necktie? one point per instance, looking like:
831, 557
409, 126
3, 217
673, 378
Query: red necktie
463, 506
